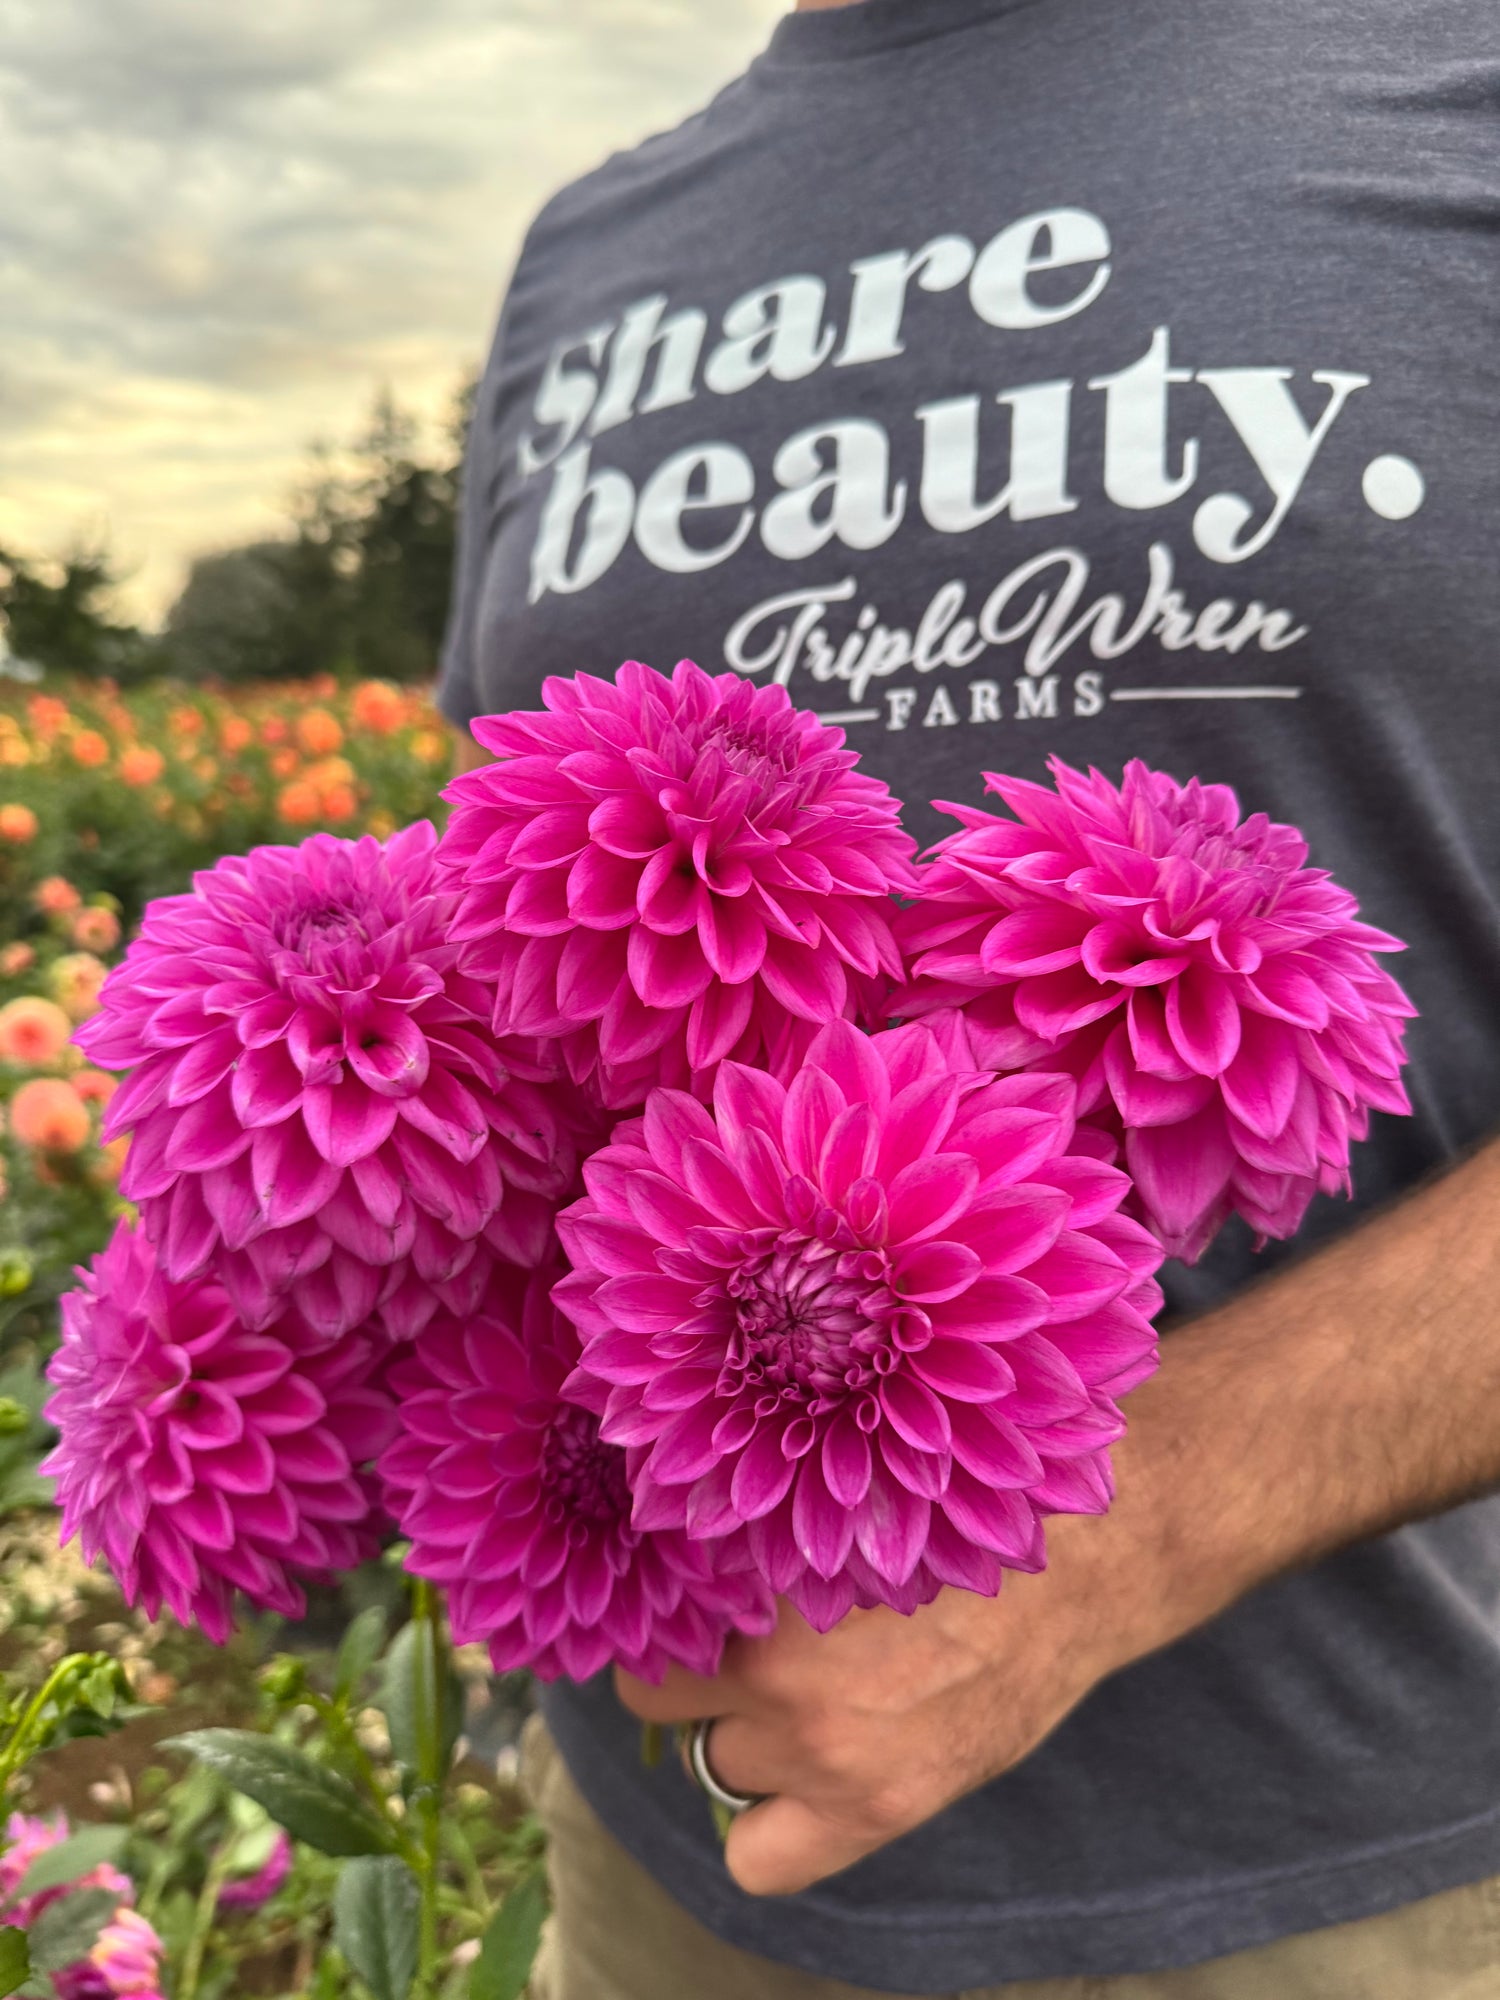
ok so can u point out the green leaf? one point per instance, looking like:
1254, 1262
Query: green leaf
398, 1699
75, 1856
15, 1959
360, 1650
313, 1804
68, 1929
510, 1944
375, 1924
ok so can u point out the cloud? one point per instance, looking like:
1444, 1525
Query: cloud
222, 229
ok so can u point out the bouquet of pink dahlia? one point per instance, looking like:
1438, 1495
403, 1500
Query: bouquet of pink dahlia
568, 1178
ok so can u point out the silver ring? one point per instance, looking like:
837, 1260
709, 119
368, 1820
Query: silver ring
703, 1773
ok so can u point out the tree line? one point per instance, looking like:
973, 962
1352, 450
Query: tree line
358, 585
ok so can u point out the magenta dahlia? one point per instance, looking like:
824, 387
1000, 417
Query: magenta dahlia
319, 1108
199, 1457
879, 1320
667, 873
513, 1501
1217, 999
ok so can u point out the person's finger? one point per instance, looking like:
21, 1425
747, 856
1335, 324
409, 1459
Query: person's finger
782, 1846
679, 1698
751, 1756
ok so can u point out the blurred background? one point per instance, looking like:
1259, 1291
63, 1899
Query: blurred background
250, 260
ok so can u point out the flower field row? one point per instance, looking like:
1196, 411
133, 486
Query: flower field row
110, 797
126, 793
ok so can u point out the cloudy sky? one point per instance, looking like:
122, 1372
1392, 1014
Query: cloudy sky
223, 228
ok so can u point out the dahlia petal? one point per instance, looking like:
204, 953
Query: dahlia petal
1289, 992
185, 1231
1181, 1170
206, 1133
1142, 1098
1055, 1004
927, 1195
812, 1104
930, 1273
601, 888
763, 1474
846, 1461
1045, 937
446, 1111
992, 1448
716, 1022
267, 1085
345, 1121
733, 937
890, 1528
963, 1370
1076, 1486
668, 972
1203, 1020
1002, 1521
823, 1527
292, 1179
1011, 1227
916, 1414
925, 1473
1117, 953
809, 981
1150, 1043
204, 1065
1003, 1308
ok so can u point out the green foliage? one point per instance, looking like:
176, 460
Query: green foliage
313, 1804
68, 1929
15, 1959
398, 1699
23, 1434
72, 1857
358, 1651
375, 1924
510, 1944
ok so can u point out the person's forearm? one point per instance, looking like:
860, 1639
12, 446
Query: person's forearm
1347, 1395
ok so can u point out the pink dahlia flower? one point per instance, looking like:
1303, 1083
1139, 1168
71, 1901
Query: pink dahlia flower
514, 1502
249, 1892
319, 1109
879, 1320
671, 872
125, 1959
1217, 999
27, 1836
200, 1458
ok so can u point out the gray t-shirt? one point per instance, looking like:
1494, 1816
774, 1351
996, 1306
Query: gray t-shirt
1019, 376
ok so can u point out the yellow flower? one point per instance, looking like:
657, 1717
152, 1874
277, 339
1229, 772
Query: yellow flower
76, 979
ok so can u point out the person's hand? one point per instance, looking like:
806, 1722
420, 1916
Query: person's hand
860, 1734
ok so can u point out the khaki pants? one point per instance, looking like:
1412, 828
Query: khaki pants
616, 1935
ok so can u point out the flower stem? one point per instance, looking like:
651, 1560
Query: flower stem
427, 1670
14, 1754
203, 1920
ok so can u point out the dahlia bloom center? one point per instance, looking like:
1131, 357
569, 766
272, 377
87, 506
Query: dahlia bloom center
807, 1323
753, 749
582, 1477
316, 934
